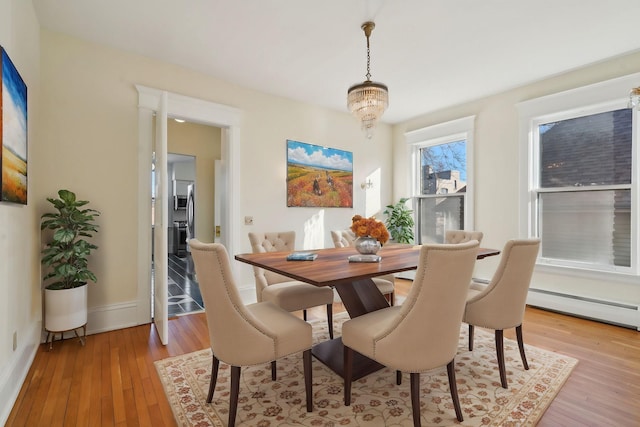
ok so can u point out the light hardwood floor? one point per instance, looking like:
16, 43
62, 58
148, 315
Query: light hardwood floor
112, 380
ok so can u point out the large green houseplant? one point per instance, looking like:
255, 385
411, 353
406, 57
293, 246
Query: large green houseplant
67, 254
67, 257
400, 221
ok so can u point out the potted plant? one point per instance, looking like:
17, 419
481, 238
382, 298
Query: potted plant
400, 221
67, 256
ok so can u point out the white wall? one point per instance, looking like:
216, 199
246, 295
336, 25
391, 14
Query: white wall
20, 311
497, 173
91, 127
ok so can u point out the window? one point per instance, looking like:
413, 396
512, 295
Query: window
582, 195
442, 158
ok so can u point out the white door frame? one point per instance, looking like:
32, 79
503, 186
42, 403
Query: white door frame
197, 111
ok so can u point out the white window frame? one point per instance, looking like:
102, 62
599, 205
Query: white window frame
442, 133
588, 100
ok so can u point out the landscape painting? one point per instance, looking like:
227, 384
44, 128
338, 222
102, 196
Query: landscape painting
318, 176
13, 133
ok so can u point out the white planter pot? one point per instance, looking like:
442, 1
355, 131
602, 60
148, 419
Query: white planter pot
65, 309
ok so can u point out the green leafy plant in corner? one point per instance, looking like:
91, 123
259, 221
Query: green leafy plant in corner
400, 222
67, 254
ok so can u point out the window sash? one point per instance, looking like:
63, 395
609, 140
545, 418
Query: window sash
584, 101
442, 133
438, 213
589, 228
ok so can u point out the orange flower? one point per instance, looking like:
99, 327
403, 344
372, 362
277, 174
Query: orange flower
371, 227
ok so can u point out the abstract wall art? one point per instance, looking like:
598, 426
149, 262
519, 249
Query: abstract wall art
13, 133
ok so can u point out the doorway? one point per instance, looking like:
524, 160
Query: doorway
150, 102
194, 151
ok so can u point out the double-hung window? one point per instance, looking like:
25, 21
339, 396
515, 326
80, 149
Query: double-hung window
582, 177
442, 157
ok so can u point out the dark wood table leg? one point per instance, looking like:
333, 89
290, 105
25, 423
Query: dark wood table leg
331, 353
359, 297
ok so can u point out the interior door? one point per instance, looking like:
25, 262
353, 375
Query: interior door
160, 230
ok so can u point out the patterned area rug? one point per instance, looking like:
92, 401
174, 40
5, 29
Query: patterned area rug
376, 399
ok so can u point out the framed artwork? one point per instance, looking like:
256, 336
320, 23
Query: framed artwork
318, 176
13, 133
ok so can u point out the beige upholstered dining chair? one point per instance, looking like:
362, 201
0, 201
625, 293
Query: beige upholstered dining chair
502, 303
461, 236
386, 283
245, 335
422, 333
292, 295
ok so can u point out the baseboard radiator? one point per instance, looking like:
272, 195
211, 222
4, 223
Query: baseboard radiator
615, 313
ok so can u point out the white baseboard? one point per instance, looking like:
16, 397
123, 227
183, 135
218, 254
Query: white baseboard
248, 293
112, 317
15, 372
125, 315
106, 318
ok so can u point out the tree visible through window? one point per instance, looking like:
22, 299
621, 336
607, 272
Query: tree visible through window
443, 176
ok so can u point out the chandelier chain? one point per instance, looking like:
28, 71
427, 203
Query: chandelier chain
368, 75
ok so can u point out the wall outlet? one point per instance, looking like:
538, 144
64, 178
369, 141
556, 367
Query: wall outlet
248, 220
15, 340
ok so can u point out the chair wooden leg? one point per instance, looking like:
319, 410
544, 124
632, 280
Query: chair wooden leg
521, 346
330, 319
308, 379
398, 377
415, 398
215, 363
471, 330
500, 353
304, 315
348, 373
392, 298
453, 386
233, 397
273, 370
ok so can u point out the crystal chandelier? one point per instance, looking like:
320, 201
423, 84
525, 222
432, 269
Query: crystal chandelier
368, 100
634, 98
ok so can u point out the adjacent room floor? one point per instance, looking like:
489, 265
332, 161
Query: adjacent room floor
184, 292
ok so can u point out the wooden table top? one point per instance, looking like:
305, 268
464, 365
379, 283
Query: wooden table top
332, 265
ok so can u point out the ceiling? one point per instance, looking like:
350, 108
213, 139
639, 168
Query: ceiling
430, 53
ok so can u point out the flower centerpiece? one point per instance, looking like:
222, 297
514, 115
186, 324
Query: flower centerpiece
371, 234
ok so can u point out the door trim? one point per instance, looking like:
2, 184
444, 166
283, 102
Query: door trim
197, 111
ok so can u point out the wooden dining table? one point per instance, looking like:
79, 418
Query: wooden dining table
353, 282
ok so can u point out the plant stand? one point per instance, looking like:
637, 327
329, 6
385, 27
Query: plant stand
52, 334
65, 310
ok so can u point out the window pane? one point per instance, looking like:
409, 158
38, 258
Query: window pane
586, 151
438, 214
443, 168
587, 226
